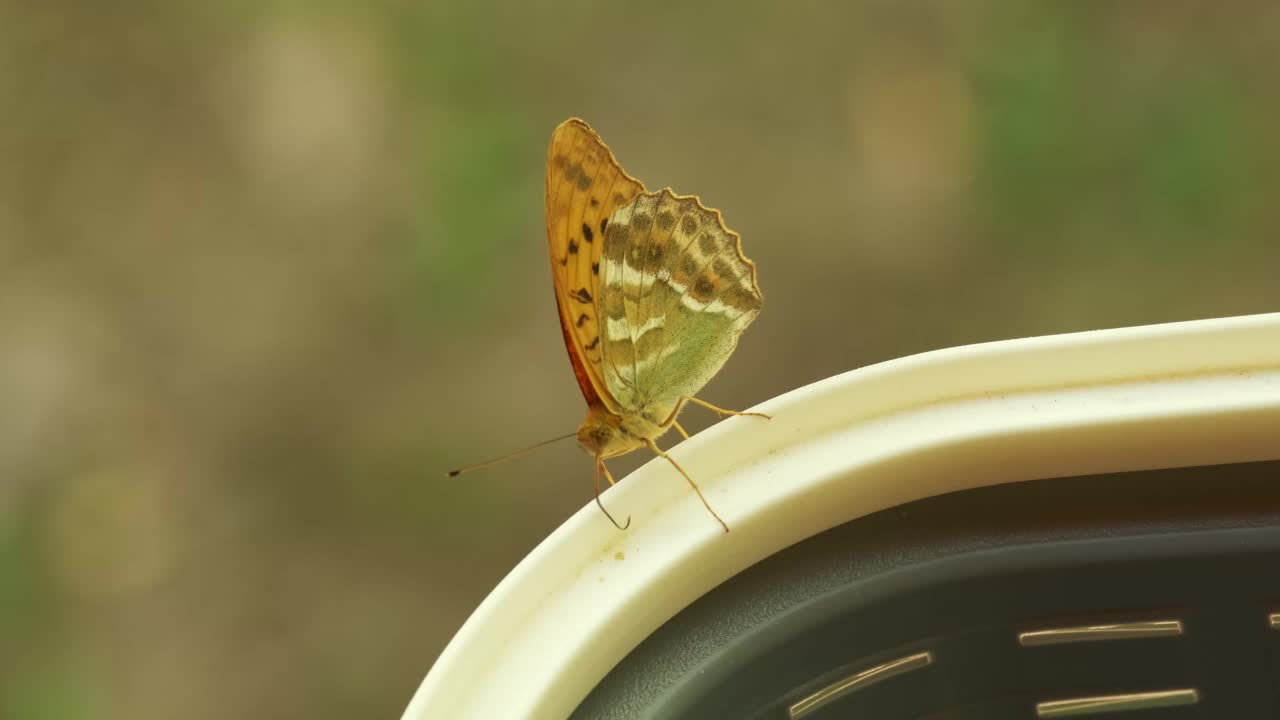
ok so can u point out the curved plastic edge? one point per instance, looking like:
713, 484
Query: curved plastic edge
1172, 395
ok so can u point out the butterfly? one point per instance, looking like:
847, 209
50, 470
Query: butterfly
653, 292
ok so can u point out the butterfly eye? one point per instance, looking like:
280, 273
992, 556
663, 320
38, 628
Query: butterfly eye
595, 436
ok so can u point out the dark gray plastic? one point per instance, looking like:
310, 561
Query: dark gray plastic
960, 576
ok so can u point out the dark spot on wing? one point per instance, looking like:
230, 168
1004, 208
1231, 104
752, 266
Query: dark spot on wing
741, 297
595, 268
581, 319
703, 287
642, 222
595, 202
618, 199
594, 343
587, 233
656, 251
604, 223
618, 234
722, 269
581, 295
614, 306
558, 161
575, 174
689, 225
666, 220
573, 246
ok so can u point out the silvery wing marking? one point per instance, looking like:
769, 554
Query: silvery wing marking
675, 294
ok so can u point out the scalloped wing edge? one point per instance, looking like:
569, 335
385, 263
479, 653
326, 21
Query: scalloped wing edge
737, 239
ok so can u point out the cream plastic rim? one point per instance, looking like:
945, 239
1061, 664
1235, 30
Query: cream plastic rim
1179, 394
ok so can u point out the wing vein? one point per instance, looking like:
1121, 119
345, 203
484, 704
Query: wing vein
602, 280
742, 271
659, 341
626, 308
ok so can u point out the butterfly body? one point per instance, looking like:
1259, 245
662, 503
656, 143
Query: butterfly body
605, 435
653, 292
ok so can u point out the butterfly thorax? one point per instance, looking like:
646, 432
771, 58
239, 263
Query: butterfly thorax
605, 434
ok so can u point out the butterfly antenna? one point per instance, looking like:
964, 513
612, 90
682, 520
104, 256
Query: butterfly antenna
600, 464
510, 456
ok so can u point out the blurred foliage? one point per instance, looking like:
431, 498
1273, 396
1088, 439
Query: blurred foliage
268, 269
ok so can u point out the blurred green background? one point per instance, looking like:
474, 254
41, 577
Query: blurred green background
268, 269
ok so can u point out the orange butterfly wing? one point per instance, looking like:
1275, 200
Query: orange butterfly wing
585, 184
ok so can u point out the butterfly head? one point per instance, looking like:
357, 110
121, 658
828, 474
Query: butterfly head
606, 435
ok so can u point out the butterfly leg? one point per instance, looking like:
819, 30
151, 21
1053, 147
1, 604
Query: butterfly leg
607, 475
660, 453
721, 411
680, 429
600, 466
